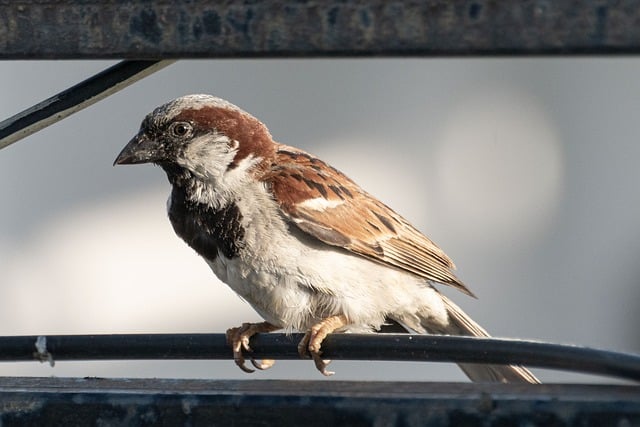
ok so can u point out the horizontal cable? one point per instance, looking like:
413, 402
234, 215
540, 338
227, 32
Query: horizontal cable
200, 28
76, 98
378, 347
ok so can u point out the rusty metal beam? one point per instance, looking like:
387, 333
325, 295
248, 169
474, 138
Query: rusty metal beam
302, 28
137, 402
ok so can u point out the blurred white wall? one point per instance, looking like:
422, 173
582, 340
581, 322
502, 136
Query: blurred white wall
523, 170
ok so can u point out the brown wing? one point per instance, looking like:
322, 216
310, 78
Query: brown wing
326, 204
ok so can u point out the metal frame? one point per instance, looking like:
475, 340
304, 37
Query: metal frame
150, 34
302, 28
141, 402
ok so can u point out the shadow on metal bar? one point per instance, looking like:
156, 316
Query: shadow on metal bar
396, 347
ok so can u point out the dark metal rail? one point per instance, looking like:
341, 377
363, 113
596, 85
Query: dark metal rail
399, 347
302, 28
149, 402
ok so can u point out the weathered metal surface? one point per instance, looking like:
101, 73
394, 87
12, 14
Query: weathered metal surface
171, 29
399, 347
134, 402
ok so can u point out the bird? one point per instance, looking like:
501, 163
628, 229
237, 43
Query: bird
301, 242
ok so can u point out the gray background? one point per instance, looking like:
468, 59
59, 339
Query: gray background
524, 171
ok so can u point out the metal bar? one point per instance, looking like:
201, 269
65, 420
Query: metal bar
76, 98
400, 347
257, 28
146, 402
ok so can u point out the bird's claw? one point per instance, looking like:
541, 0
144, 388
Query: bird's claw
306, 351
238, 339
262, 364
309, 346
311, 343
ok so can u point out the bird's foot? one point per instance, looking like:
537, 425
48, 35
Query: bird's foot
238, 339
311, 343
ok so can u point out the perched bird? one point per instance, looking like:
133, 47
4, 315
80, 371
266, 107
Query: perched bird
300, 241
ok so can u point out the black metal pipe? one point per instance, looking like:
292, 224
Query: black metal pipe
398, 347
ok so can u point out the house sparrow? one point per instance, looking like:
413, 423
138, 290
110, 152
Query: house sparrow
300, 241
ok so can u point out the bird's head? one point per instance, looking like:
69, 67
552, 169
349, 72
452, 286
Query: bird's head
202, 134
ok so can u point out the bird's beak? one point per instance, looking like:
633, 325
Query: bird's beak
141, 149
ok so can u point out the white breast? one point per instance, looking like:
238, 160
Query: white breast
293, 280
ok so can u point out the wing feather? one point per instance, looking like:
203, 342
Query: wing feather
326, 204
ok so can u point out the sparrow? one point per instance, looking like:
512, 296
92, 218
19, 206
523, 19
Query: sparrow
297, 239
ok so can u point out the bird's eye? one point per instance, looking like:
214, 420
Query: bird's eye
180, 129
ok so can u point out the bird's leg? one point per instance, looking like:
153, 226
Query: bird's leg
312, 341
238, 339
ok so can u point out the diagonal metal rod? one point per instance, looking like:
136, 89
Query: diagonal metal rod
76, 98
397, 347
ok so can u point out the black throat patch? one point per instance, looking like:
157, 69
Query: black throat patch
206, 230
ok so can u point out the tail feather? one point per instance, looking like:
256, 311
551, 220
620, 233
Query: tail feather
457, 322
498, 373
461, 324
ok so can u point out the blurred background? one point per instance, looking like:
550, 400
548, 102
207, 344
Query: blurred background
523, 170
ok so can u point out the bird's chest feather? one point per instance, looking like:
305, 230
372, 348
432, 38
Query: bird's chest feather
248, 247
210, 232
